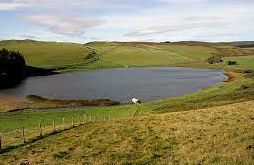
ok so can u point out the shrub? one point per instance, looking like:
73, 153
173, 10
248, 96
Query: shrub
231, 62
91, 55
214, 59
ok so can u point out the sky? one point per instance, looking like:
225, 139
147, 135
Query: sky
127, 20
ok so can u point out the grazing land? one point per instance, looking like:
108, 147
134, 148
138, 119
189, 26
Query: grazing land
244, 62
212, 126
218, 135
70, 56
73, 56
48, 54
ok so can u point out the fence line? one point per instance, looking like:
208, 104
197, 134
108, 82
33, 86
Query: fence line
54, 128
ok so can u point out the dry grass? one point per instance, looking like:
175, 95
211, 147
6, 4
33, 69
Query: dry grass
219, 135
8, 103
96, 102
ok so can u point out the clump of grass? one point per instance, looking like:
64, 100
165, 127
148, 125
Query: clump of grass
62, 155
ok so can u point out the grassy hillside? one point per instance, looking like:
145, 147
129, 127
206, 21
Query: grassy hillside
48, 54
166, 131
141, 54
68, 56
57, 55
219, 135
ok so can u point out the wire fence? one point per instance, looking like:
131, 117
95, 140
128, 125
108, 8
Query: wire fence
19, 137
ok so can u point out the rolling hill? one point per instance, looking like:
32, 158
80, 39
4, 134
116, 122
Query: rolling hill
57, 55
218, 135
212, 126
71, 56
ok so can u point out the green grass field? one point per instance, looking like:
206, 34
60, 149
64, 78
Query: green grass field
139, 54
218, 135
172, 131
57, 55
115, 54
244, 62
48, 54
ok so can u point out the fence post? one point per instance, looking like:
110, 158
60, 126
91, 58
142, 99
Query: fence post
1, 148
84, 118
63, 121
72, 122
54, 127
40, 129
78, 120
23, 134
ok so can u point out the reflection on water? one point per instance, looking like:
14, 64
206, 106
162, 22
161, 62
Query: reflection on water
119, 84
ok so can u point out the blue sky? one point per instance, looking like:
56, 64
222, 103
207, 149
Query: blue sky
127, 20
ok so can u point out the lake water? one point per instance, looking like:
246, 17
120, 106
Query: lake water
120, 84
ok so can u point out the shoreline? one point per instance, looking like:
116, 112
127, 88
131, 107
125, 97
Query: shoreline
58, 103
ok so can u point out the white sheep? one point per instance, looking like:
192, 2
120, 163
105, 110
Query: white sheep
135, 101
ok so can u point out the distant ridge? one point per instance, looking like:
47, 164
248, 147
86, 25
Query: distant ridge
232, 43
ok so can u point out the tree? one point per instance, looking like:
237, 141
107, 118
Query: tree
12, 68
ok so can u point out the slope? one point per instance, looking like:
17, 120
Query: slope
218, 135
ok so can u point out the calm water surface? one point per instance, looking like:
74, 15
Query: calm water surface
120, 84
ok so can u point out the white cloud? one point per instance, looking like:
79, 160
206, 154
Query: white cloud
183, 1
176, 28
15, 4
46, 3
133, 19
70, 26
11, 6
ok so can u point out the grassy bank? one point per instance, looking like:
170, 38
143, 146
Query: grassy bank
219, 135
